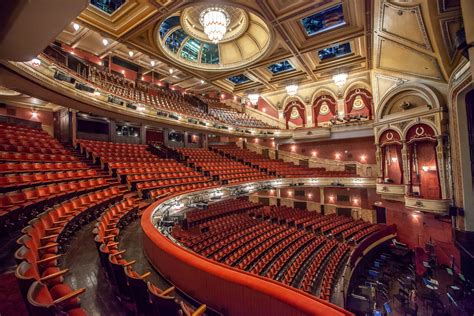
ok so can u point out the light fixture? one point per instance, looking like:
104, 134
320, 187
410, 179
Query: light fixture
253, 98
340, 79
35, 62
292, 89
152, 63
338, 155
143, 78
97, 93
264, 110
314, 153
130, 53
171, 70
310, 195
293, 147
202, 81
105, 42
100, 63
331, 198
34, 113
141, 108
363, 158
214, 21
76, 27
123, 72
394, 159
425, 168
355, 201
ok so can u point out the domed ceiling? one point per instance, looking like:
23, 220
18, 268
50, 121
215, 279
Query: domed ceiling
182, 38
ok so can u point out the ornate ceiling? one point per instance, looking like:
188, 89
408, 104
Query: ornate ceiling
273, 43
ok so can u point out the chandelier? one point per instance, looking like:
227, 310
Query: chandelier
292, 89
253, 98
215, 21
340, 79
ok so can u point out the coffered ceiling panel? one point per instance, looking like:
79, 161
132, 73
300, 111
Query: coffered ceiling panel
398, 57
413, 30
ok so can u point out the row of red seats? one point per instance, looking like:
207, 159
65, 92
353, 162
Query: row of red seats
24, 167
17, 206
332, 271
195, 217
315, 267
279, 250
12, 156
13, 182
284, 257
33, 150
146, 298
257, 246
145, 187
40, 279
155, 194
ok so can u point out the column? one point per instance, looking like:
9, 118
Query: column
406, 167
112, 131
321, 198
73, 124
442, 165
185, 139
379, 160
309, 115
142, 134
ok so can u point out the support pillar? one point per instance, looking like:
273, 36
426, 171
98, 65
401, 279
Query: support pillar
441, 160
406, 167
73, 118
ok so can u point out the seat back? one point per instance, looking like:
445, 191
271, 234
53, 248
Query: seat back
40, 301
139, 291
163, 304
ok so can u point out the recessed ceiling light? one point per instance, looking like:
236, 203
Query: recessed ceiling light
130, 53
202, 81
105, 42
152, 63
76, 26
171, 70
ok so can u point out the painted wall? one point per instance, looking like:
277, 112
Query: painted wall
357, 147
44, 117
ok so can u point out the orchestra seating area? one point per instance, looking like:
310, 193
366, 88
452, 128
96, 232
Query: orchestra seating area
278, 167
219, 167
299, 248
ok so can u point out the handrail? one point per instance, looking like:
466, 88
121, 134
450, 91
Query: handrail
223, 287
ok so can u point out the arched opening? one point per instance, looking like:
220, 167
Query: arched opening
295, 113
470, 127
392, 161
358, 103
424, 176
324, 109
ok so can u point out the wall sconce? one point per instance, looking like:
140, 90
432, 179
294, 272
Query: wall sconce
355, 201
290, 193
293, 148
264, 110
338, 156
310, 195
425, 168
331, 198
34, 114
394, 159
314, 153
363, 158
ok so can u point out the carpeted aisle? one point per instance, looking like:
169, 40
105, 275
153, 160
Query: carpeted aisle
11, 302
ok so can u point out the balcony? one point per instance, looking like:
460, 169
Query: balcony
429, 206
388, 191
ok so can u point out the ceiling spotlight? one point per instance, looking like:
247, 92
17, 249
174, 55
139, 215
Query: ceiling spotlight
340, 79
292, 89
100, 63
171, 70
123, 72
264, 110
214, 21
202, 81
253, 98
130, 53
152, 63
143, 78
105, 42
76, 27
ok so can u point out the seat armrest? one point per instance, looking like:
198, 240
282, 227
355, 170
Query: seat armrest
54, 275
69, 296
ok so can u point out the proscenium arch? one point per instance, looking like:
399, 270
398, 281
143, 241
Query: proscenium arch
430, 95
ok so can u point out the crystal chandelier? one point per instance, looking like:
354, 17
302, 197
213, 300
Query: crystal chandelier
292, 89
253, 98
340, 79
215, 21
